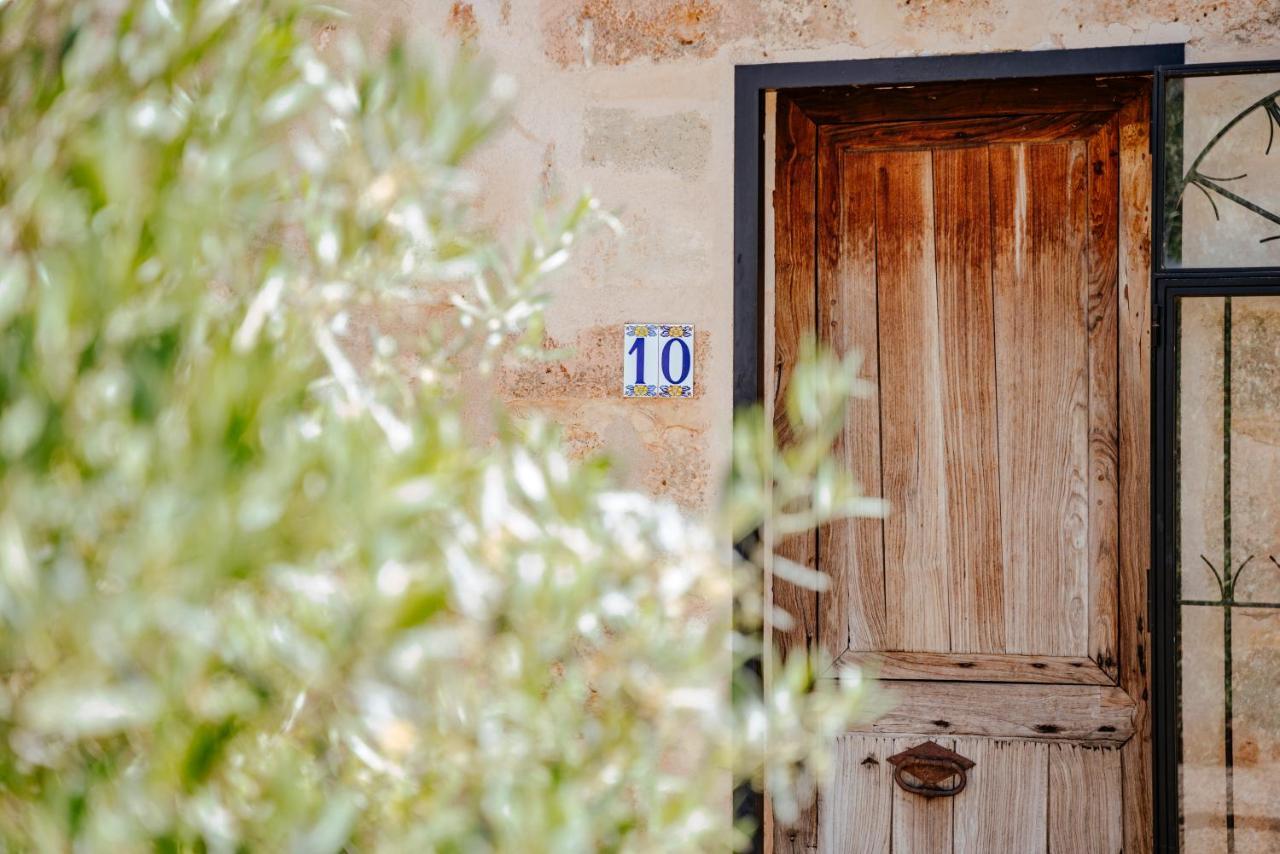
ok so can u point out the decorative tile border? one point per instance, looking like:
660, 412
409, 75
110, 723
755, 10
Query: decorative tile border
659, 330
657, 391
660, 354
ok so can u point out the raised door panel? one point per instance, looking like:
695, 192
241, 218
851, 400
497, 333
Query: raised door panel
981, 283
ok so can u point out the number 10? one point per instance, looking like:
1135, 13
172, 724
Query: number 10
637, 350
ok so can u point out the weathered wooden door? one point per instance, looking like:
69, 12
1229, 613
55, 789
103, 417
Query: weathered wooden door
990, 261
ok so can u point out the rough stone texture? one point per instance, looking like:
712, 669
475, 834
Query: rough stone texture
651, 443
462, 21
677, 143
614, 32
634, 98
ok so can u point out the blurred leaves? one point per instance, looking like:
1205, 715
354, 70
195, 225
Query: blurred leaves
262, 587
801, 484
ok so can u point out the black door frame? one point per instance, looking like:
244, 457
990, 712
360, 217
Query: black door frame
751, 82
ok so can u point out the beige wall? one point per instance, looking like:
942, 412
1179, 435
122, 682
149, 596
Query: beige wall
634, 99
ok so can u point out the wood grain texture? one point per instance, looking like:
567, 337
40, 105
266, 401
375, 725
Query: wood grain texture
1039, 229
1022, 96
852, 551
937, 133
1135, 454
794, 319
1104, 421
921, 824
1087, 714
801, 837
974, 560
917, 587
1085, 806
794, 276
857, 814
1004, 808
977, 667
1072, 590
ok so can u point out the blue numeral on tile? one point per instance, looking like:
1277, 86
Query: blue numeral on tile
637, 348
666, 361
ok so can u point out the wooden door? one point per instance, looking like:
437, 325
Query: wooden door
993, 271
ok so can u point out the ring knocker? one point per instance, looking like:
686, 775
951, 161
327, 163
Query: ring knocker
931, 765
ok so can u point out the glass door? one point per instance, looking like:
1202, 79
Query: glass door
1216, 578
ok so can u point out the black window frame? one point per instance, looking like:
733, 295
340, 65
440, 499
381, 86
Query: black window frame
1166, 671
1161, 162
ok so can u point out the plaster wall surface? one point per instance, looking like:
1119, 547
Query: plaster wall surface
633, 98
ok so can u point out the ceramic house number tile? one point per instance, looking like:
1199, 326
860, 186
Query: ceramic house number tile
657, 360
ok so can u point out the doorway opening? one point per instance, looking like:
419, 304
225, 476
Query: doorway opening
985, 246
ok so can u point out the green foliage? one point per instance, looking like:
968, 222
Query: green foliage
261, 586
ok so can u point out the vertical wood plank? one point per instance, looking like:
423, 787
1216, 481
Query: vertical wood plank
921, 824
795, 317
1009, 265
1004, 807
962, 200
1072, 596
852, 610
1085, 805
917, 586
1038, 269
794, 199
1104, 426
858, 801
1135, 451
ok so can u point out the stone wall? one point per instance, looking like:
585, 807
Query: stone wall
634, 99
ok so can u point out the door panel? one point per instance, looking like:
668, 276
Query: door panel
1021, 796
997, 415
990, 272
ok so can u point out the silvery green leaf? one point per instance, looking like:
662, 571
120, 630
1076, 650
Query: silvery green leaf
67, 707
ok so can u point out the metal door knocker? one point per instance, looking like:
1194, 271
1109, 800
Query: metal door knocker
931, 765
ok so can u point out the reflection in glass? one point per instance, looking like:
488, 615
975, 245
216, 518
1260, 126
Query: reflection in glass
1229, 573
1222, 171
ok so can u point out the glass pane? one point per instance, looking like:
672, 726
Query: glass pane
1222, 171
1229, 573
